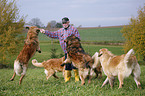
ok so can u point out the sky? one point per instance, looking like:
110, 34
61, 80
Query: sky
87, 13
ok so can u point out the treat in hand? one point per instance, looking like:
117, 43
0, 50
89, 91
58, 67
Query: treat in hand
42, 30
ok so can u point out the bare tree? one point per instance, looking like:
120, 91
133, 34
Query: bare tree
53, 24
59, 25
36, 22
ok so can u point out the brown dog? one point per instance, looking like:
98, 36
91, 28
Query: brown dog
121, 66
51, 66
78, 57
30, 47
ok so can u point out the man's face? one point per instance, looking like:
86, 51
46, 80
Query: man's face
65, 25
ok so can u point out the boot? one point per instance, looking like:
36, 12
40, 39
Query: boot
76, 75
67, 75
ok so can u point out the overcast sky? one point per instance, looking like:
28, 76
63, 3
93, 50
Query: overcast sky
88, 13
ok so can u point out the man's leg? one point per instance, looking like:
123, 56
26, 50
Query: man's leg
75, 72
67, 72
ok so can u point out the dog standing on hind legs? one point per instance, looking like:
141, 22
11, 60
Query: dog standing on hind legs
30, 47
78, 57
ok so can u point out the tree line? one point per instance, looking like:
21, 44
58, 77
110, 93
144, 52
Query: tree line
37, 22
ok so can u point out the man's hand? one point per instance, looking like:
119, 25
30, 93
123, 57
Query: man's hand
42, 30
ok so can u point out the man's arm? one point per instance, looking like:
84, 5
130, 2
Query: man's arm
50, 34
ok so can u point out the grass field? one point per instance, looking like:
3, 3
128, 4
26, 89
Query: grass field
35, 83
101, 34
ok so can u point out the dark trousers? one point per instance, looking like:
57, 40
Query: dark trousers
69, 66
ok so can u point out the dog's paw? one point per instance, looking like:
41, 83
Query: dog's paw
139, 86
11, 79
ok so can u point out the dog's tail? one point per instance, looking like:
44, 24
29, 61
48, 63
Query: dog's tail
129, 53
35, 63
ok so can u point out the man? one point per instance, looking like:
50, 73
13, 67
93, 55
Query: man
62, 34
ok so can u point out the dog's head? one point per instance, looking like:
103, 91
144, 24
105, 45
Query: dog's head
33, 30
72, 41
73, 44
104, 51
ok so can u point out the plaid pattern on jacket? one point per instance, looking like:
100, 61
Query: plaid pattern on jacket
62, 34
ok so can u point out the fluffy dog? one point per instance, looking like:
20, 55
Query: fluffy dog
30, 47
121, 66
96, 67
51, 66
78, 57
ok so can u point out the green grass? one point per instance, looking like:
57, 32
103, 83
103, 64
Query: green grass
35, 83
101, 34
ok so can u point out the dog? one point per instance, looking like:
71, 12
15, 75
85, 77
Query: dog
51, 66
78, 57
29, 49
96, 67
121, 66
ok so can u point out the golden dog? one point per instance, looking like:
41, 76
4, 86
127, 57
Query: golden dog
78, 57
121, 66
30, 47
96, 67
51, 66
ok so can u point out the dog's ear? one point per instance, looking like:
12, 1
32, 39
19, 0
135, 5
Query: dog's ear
27, 27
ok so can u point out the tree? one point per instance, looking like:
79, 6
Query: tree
134, 34
48, 25
11, 26
58, 25
36, 22
53, 24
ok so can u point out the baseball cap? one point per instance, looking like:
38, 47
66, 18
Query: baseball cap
64, 20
